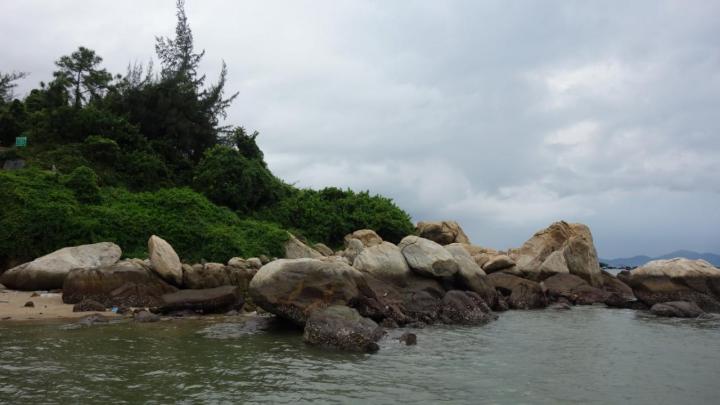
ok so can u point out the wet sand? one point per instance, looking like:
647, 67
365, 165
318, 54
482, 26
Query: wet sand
47, 306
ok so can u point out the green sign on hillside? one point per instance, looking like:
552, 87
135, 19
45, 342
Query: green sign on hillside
21, 141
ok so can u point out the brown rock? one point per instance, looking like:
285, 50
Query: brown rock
368, 238
574, 289
521, 293
88, 306
443, 232
208, 300
340, 327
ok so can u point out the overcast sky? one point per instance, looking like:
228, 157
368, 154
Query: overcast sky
503, 115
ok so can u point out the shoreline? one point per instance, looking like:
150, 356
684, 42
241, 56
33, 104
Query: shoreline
47, 307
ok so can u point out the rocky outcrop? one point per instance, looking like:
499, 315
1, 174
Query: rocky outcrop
207, 301
676, 280
292, 289
519, 292
619, 294
677, 309
341, 327
573, 289
384, 261
444, 232
165, 261
49, 272
128, 283
560, 248
353, 248
296, 249
88, 306
428, 258
368, 237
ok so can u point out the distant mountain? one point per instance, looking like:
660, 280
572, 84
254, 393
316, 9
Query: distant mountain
640, 260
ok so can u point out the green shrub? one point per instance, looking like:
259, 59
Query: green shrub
40, 214
84, 183
228, 178
330, 214
101, 149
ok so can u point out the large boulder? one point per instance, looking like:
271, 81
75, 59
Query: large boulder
49, 272
368, 237
677, 309
323, 249
619, 293
341, 327
520, 293
574, 289
560, 248
209, 300
128, 283
292, 289
443, 232
428, 258
384, 261
296, 249
165, 261
676, 279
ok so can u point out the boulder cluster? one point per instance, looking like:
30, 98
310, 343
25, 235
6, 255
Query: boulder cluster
347, 299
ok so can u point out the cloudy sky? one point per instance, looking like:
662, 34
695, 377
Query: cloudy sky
503, 115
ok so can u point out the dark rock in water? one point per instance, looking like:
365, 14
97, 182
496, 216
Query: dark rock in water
574, 289
211, 275
145, 316
92, 319
389, 323
293, 288
128, 283
33, 295
523, 294
679, 309
465, 308
408, 338
209, 300
88, 306
560, 306
343, 328
29, 304
501, 304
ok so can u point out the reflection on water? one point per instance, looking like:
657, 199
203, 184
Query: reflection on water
587, 355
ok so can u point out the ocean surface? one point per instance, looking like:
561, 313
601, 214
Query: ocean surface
583, 356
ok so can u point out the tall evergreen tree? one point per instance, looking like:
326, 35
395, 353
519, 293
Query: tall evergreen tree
79, 72
7, 84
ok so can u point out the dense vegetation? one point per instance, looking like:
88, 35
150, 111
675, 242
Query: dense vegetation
120, 157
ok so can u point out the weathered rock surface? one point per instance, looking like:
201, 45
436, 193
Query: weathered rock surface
292, 289
341, 327
537, 258
465, 308
497, 263
48, 272
676, 279
323, 249
209, 300
211, 275
296, 249
574, 289
368, 237
128, 283
165, 261
88, 306
520, 293
145, 317
428, 258
679, 309
353, 248
384, 261
471, 277
619, 294
443, 232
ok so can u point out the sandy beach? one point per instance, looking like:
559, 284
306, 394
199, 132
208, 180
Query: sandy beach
47, 306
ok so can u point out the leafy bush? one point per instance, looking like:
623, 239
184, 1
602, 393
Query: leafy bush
40, 214
84, 183
330, 214
101, 149
230, 179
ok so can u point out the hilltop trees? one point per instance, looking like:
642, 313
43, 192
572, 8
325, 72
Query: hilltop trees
79, 72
